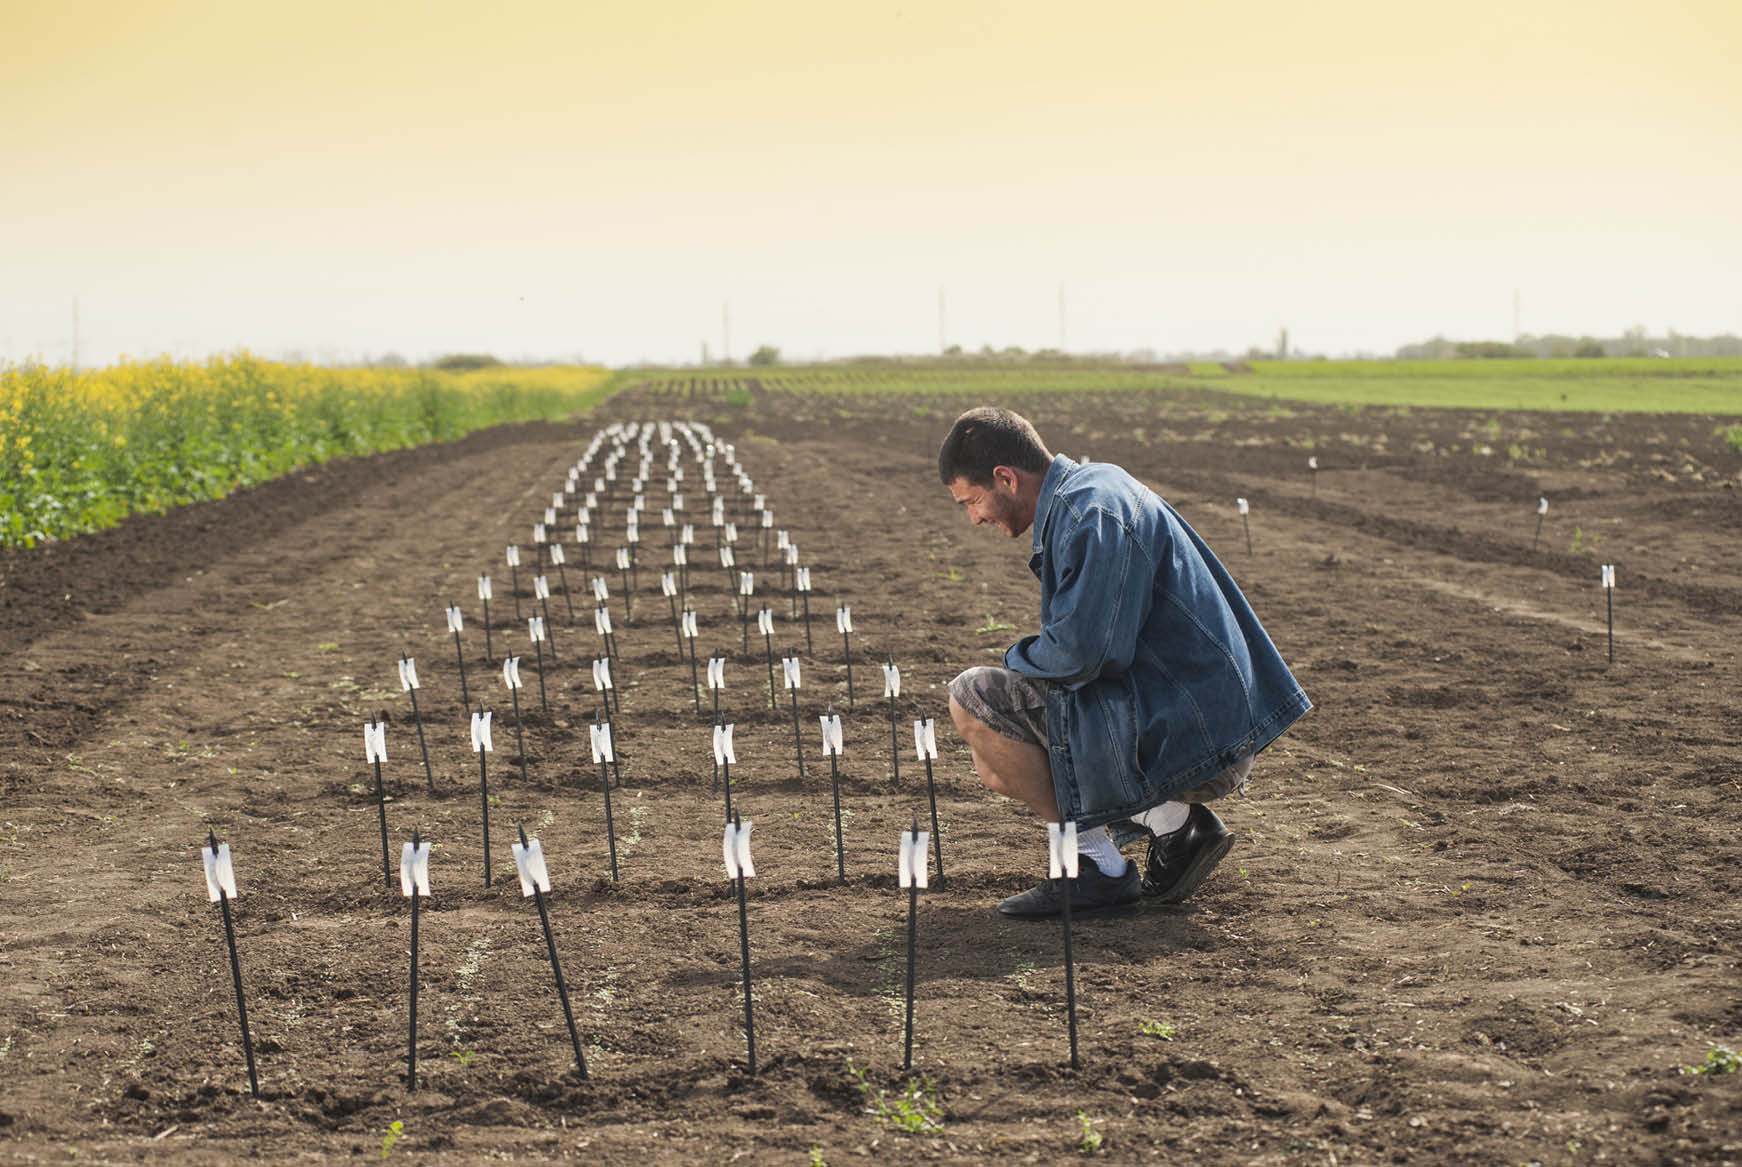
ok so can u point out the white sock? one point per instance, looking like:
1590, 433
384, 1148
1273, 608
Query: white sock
1098, 846
1166, 818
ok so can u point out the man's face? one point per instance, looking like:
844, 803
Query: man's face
1001, 504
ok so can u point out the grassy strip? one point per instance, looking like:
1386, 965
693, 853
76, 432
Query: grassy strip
1691, 385
81, 452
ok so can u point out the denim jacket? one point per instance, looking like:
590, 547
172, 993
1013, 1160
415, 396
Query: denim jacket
1160, 677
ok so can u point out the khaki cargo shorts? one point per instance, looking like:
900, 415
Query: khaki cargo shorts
1014, 706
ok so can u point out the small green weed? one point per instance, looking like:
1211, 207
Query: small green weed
992, 625
328, 646
737, 398
1090, 1142
463, 1056
915, 1110
1161, 1029
816, 1159
1720, 1059
953, 575
395, 1129
1732, 436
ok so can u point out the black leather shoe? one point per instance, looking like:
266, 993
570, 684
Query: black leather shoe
1181, 860
1094, 894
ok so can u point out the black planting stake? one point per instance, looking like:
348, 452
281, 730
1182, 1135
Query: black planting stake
1541, 513
511, 677
481, 743
379, 728
623, 582
1609, 599
744, 945
925, 744
1245, 522
695, 683
1067, 859
538, 646
844, 623
489, 650
891, 686
915, 876
549, 628
408, 869
217, 860
604, 753
454, 621
744, 591
408, 679
805, 595
563, 578
556, 968
669, 585
789, 666
765, 621
514, 580
832, 747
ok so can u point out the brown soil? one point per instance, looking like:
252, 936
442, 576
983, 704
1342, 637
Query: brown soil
1482, 908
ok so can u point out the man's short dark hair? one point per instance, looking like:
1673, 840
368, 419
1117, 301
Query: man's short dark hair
988, 437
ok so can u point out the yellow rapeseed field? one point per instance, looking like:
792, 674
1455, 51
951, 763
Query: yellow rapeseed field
81, 451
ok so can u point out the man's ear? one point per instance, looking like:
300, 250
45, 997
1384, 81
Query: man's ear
1006, 477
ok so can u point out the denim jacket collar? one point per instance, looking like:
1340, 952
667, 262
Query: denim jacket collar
1049, 487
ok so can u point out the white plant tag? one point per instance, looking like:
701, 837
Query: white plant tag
1542, 506
723, 752
668, 583
716, 672
549, 517
768, 519
1609, 575
414, 869
535, 628
540, 588
735, 849
759, 502
538, 529
844, 621
556, 499
789, 666
687, 623
925, 740
1240, 504
601, 591
914, 851
484, 590
728, 559
374, 742
892, 680
677, 499
556, 554
622, 559
792, 554
679, 556
666, 517
408, 674
456, 619
803, 579
831, 733
513, 555
1312, 462
718, 511
220, 874
780, 540
582, 534
511, 673
481, 742
1061, 845
602, 620
602, 674
686, 534
746, 582
601, 735
529, 863
765, 622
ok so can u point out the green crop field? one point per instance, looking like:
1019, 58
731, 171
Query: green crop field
1693, 385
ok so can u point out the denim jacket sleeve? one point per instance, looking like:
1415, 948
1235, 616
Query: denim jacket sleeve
1098, 605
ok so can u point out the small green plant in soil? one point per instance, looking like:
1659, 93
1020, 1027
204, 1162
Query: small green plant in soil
1089, 1143
1733, 436
992, 625
395, 1129
953, 575
913, 1111
1161, 1029
1720, 1059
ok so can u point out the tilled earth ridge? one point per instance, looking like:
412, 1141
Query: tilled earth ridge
1481, 910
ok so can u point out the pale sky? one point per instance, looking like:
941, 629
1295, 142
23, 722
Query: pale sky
587, 180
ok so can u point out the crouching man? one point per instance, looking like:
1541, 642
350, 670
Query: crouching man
1147, 693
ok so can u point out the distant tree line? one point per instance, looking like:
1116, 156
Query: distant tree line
1635, 342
